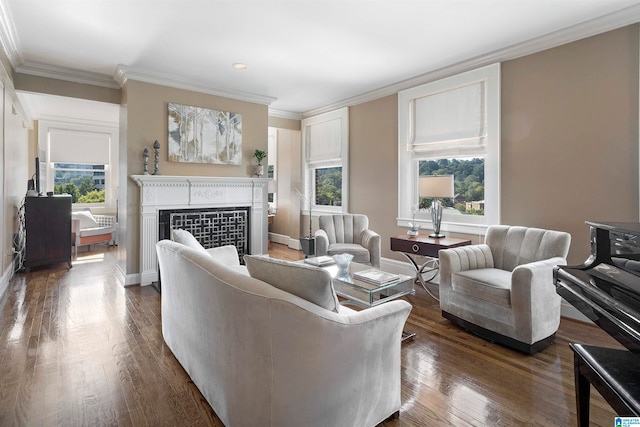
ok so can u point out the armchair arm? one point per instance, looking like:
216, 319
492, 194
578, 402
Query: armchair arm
227, 255
534, 298
322, 242
372, 241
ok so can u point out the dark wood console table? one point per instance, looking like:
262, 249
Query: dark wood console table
427, 247
614, 373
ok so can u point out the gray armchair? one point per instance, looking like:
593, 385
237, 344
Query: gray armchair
348, 233
503, 290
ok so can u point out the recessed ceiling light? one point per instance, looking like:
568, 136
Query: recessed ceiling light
240, 66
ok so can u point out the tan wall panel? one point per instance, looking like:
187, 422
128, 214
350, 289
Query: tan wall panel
373, 166
147, 120
570, 136
16, 166
279, 122
29, 83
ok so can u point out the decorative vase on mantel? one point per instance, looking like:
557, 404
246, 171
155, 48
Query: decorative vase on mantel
258, 169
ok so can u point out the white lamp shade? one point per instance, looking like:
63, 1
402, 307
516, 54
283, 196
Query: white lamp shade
436, 186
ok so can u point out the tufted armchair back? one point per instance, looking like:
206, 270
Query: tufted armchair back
347, 228
512, 246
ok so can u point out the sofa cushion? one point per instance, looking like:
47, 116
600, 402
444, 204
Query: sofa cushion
310, 283
187, 239
488, 284
86, 219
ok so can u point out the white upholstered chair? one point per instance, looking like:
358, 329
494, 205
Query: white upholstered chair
348, 233
87, 229
503, 290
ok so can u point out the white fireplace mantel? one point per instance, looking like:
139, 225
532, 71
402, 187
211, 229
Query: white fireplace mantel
160, 192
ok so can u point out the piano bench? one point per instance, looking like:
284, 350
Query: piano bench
614, 373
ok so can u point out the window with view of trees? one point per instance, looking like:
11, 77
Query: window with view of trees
325, 143
468, 183
85, 183
328, 186
451, 126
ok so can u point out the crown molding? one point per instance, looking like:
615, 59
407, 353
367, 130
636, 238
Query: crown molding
9, 35
612, 21
124, 73
273, 112
66, 74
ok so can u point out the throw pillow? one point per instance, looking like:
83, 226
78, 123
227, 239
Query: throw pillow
187, 239
86, 219
310, 283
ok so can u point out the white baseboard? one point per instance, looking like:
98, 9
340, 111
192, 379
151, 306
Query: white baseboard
285, 240
126, 280
7, 275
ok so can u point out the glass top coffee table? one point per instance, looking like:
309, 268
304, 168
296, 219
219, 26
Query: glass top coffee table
365, 293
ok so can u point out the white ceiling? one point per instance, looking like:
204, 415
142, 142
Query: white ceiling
302, 55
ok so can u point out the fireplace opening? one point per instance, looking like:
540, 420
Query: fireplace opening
212, 227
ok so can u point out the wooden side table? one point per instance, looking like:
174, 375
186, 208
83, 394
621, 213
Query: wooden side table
428, 247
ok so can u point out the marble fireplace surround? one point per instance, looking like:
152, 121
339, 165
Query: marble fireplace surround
160, 192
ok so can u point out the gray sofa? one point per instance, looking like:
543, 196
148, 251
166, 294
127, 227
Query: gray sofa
262, 356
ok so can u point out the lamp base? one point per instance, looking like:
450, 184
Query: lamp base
436, 235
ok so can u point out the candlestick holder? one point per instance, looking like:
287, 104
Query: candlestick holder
156, 151
145, 161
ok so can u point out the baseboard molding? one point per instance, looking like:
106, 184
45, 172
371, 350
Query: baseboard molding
126, 280
7, 275
285, 240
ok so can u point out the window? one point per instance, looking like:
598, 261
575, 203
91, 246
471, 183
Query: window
452, 127
325, 154
85, 183
468, 184
81, 160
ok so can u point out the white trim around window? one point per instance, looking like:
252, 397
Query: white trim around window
83, 139
488, 146
325, 144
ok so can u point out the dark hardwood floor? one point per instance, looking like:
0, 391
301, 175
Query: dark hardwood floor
78, 349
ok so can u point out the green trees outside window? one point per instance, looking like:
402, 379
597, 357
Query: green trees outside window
468, 183
329, 186
85, 183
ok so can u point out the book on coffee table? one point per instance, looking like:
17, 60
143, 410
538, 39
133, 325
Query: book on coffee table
375, 276
320, 261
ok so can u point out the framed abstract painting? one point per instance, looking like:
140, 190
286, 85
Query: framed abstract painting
202, 135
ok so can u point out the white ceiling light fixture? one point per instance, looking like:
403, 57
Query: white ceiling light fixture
240, 66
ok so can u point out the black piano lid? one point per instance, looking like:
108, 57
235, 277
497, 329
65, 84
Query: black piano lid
623, 227
606, 288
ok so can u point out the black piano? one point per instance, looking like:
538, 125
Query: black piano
606, 289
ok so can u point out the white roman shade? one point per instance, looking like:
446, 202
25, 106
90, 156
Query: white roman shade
451, 122
324, 141
70, 146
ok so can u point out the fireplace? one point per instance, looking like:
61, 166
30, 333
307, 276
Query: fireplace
212, 227
187, 198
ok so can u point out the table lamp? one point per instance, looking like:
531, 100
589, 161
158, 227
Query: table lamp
435, 187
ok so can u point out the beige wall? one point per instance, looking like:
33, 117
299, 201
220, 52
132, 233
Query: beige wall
279, 122
29, 83
147, 120
570, 136
569, 142
16, 163
287, 219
